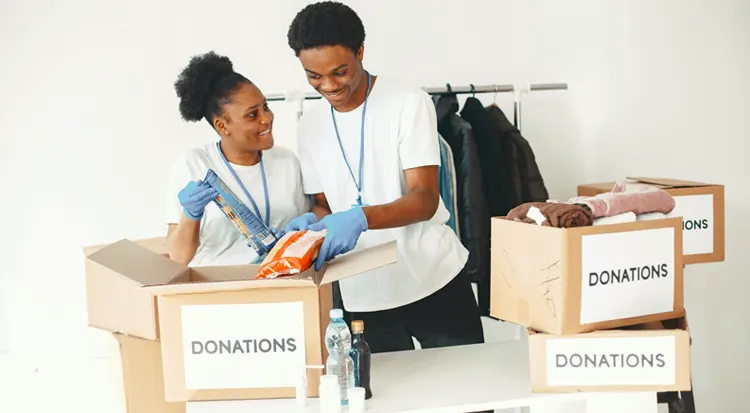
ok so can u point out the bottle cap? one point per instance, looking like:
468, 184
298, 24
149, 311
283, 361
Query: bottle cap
301, 390
337, 313
356, 397
358, 326
329, 379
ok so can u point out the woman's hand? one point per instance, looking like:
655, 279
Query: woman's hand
194, 198
301, 223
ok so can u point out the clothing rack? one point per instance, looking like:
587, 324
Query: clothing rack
448, 90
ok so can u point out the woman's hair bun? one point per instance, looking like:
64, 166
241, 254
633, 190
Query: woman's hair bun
195, 85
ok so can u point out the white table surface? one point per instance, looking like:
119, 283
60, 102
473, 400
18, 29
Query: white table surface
454, 379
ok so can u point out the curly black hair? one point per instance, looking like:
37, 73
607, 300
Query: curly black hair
205, 85
327, 23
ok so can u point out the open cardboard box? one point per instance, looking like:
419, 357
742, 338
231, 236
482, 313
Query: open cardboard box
574, 280
701, 206
647, 357
224, 335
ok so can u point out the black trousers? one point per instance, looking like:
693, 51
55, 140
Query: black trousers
448, 317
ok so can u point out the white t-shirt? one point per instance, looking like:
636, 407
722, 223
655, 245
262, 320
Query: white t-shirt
220, 242
400, 133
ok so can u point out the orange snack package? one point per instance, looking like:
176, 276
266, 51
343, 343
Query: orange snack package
292, 254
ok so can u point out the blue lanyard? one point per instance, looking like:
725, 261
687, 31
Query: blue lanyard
265, 186
359, 184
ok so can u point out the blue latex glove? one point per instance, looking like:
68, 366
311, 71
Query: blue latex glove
343, 231
301, 223
277, 233
194, 197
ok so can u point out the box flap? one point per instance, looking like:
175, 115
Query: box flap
229, 278
359, 262
670, 183
137, 263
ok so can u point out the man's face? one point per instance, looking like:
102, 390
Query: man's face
335, 72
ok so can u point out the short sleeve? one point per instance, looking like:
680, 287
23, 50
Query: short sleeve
178, 178
419, 144
310, 181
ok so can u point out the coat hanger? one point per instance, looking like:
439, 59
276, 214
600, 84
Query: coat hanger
473, 91
494, 99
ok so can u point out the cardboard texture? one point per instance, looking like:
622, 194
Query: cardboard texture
115, 275
139, 365
576, 280
647, 357
700, 204
223, 334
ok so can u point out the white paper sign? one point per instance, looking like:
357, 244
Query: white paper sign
233, 346
627, 274
609, 361
697, 212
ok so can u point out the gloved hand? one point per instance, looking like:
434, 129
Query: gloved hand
277, 233
301, 223
343, 231
194, 197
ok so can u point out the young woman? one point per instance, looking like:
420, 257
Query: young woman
266, 179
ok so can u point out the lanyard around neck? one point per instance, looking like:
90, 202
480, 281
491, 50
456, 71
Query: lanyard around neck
358, 184
265, 186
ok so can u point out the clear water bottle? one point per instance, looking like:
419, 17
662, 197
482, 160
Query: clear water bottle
339, 344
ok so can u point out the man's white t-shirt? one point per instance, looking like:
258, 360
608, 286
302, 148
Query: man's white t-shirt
220, 242
400, 133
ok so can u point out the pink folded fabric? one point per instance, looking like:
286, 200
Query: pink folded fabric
620, 201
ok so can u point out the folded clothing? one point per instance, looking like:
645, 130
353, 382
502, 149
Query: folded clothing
550, 214
650, 216
616, 219
621, 200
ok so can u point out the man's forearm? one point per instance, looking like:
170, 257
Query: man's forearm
416, 206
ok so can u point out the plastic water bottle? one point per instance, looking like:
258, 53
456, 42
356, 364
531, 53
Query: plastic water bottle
339, 344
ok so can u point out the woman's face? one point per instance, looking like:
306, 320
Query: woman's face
247, 120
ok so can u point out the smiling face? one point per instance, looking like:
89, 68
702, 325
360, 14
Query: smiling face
246, 122
337, 74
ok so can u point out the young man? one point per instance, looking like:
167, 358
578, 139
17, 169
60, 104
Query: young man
369, 155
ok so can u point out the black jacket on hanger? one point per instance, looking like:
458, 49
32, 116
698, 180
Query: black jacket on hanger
472, 214
496, 160
529, 178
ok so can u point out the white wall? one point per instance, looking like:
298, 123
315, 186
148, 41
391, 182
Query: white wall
89, 126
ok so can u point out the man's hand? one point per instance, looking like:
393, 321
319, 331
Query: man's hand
342, 232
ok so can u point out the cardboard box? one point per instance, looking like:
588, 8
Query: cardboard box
700, 204
575, 280
224, 335
646, 357
156, 244
138, 368
115, 276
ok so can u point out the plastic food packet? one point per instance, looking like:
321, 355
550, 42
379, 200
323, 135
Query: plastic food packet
292, 254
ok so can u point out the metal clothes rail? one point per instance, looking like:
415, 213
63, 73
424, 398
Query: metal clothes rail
448, 90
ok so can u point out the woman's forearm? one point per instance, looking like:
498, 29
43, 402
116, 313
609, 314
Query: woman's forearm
182, 241
320, 211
